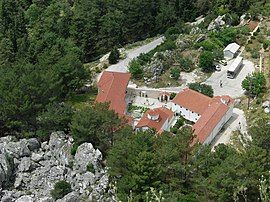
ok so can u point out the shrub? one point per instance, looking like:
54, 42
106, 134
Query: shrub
255, 54
168, 44
172, 33
254, 84
172, 95
135, 68
266, 44
208, 45
206, 61
202, 88
175, 73
144, 58
90, 168
61, 188
174, 130
180, 122
114, 56
74, 149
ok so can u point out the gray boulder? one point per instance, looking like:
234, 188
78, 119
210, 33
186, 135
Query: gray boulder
217, 23
60, 147
6, 167
33, 144
71, 197
25, 199
25, 164
86, 154
37, 157
45, 199
57, 140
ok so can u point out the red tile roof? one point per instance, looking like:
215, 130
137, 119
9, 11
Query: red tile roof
164, 114
192, 100
112, 88
218, 107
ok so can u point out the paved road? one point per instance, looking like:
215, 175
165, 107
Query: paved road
230, 87
122, 66
232, 125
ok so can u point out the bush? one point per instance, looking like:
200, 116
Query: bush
172, 95
254, 84
74, 149
114, 56
168, 44
255, 54
175, 73
90, 168
206, 61
180, 122
174, 130
172, 33
144, 58
266, 44
202, 88
208, 45
135, 68
61, 188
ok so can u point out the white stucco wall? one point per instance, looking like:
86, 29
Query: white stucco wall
219, 125
187, 114
167, 125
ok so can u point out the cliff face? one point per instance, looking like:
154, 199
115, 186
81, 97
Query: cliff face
29, 170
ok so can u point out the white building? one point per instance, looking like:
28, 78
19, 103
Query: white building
190, 104
159, 119
208, 114
231, 51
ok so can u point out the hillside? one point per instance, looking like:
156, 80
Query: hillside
107, 100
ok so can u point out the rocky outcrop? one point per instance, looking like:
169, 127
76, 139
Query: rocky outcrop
29, 170
217, 23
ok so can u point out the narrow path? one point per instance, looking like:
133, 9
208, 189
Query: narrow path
122, 65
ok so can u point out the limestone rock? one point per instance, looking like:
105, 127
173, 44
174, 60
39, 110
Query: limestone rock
25, 199
86, 154
71, 197
25, 164
45, 199
31, 167
217, 23
5, 168
36, 157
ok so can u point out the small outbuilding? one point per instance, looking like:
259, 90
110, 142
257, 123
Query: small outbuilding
231, 51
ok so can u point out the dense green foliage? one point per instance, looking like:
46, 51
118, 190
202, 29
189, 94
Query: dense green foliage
95, 124
202, 88
179, 123
135, 68
175, 73
167, 163
207, 61
61, 188
43, 45
254, 84
141, 161
114, 56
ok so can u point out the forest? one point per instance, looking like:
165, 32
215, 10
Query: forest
43, 48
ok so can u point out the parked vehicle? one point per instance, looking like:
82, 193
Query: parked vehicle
218, 67
235, 67
223, 62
